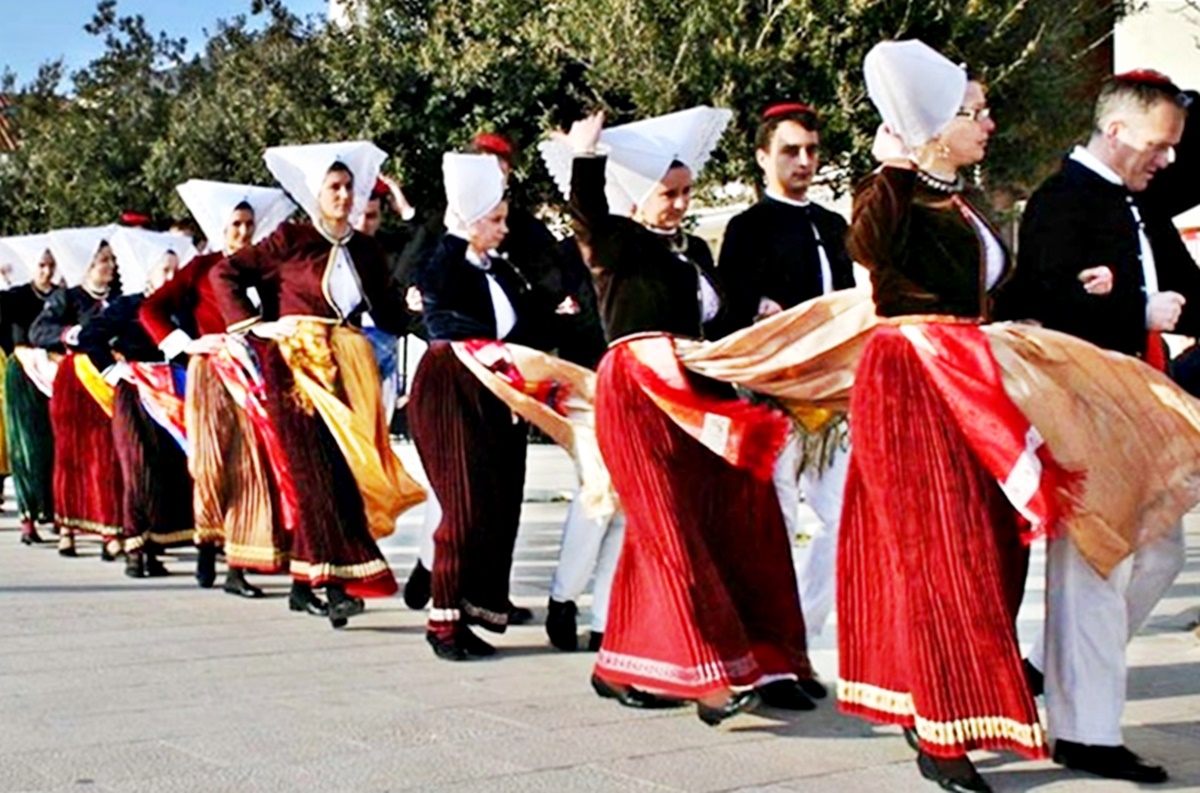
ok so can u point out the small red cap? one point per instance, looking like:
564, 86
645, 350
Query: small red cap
1146, 76
786, 108
131, 218
494, 143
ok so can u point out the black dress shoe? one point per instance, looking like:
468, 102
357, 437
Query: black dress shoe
1034, 678
341, 607
109, 550
738, 703
595, 639
29, 534
633, 698
67, 551
155, 568
135, 564
519, 615
957, 774
472, 645
206, 567
302, 598
417, 588
561, 626
1113, 762
446, 649
814, 688
785, 695
463, 645
236, 584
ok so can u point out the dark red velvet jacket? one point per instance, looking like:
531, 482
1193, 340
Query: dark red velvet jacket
187, 301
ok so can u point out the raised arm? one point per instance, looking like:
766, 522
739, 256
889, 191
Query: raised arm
252, 267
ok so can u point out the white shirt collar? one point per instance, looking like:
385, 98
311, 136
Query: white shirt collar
1094, 164
771, 194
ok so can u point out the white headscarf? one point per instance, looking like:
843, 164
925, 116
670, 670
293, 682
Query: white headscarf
301, 170
212, 205
73, 249
917, 90
474, 187
138, 251
22, 253
641, 153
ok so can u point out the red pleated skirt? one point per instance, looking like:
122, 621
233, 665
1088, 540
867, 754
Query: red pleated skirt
474, 455
88, 491
704, 597
157, 502
931, 571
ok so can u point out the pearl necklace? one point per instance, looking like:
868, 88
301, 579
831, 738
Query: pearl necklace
939, 184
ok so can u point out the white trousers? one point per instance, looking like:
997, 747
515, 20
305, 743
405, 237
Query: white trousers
433, 516
824, 491
590, 547
1089, 622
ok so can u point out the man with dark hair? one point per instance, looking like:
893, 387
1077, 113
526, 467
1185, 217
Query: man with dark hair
780, 252
1099, 258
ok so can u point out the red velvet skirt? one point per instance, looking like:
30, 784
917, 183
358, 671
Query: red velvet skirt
88, 490
474, 455
704, 597
331, 543
157, 503
931, 571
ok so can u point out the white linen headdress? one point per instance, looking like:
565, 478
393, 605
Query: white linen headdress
212, 205
73, 249
301, 171
138, 251
474, 187
22, 253
641, 153
916, 89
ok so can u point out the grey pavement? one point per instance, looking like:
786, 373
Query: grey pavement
110, 684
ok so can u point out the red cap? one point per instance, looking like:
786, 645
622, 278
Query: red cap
784, 109
494, 143
380, 189
1146, 76
130, 218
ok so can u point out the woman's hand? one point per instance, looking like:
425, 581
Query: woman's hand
283, 328
1097, 280
584, 134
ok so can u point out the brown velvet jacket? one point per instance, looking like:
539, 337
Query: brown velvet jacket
924, 256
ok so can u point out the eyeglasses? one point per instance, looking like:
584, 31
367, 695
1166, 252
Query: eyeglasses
977, 114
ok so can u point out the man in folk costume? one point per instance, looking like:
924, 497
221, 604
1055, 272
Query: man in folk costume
156, 505
26, 405
87, 482
320, 384
232, 498
1100, 259
780, 252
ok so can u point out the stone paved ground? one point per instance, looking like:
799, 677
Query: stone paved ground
108, 684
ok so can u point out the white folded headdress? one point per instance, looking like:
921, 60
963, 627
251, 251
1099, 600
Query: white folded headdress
212, 205
916, 89
73, 249
301, 170
474, 187
641, 153
139, 251
22, 254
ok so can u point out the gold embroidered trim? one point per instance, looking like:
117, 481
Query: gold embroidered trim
672, 673
319, 571
942, 733
91, 526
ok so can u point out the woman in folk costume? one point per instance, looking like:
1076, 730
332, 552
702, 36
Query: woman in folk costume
87, 480
26, 405
704, 604
321, 386
232, 499
472, 446
156, 503
931, 555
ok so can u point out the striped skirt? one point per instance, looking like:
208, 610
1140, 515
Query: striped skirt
704, 597
931, 570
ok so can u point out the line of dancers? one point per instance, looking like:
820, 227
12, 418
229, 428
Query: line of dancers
239, 401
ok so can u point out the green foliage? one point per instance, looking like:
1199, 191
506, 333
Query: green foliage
423, 76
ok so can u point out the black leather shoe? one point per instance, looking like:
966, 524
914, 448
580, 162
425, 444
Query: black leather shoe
417, 587
446, 649
957, 775
633, 698
302, 598
135, 565
814, 688
341, 607
472, 645
738, 703
785, 695
110, 550
236, 584
206, 567
519, 615
67, 550
155, 568
29, 534
595, 639
1113, 762
1034, 678
561, 626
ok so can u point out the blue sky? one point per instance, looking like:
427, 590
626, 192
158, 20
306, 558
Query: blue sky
35, 31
